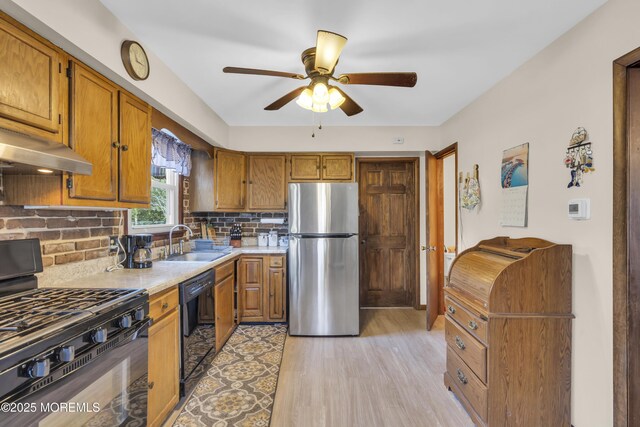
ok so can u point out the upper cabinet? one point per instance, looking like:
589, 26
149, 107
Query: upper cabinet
135, 150
305, 167
267, 182
230, 178
321, 167
32, 82
337, 167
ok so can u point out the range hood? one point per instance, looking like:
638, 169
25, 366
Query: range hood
27, 152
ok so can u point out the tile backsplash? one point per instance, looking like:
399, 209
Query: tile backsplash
250, 221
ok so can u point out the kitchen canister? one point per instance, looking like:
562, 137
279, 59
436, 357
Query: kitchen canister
273, 238
263, 239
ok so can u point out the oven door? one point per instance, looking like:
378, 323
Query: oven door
111, 390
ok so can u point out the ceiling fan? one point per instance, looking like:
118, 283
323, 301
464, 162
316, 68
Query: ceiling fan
319, 63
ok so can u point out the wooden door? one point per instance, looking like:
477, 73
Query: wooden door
267, 182
250, 286
30, 83
135, 150
276, 286
94, 133
164, 367
224, 310
230, 180
337, 167
305, 167
388, 213
431, 186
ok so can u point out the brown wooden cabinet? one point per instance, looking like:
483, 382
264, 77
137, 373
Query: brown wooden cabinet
319, 167
224, 297
135, 150
267, 182
262, 288
337, 167
32, 82
164, 356
508, 332
305, 167
230, 178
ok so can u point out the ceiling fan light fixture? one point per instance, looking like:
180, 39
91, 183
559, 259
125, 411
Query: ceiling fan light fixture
335, 98
305, 100
328, 48
319, 108
320, 93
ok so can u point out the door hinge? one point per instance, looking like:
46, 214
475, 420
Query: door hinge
69, 72
69, 183
60, 67
59, 119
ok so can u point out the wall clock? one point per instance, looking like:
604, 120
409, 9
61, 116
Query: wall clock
135, 60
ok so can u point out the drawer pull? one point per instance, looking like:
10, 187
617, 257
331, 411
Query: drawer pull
460, 343
462, 378
473, 325
165, 305
151, 384
451, 309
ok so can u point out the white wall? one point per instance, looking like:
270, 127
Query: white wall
568, 84
91, 33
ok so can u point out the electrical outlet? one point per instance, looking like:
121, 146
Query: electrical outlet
113, 244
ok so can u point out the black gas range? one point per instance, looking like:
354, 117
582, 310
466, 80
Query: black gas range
68, 356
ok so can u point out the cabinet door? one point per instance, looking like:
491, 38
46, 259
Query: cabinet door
94, 133
206, 307
337, 167
30, 82
164, 367
135, 150
250, 285
276, 293
224, 310
267, 182
230, 180
305, 167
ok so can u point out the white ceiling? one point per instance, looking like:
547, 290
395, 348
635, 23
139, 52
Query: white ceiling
459, 48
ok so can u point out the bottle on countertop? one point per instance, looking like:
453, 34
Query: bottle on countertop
235, 235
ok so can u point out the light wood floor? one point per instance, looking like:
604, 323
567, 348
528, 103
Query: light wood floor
391, 375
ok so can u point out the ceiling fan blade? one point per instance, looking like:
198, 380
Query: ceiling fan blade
281, 102
328, 48
380, 79
254, 71
349, 106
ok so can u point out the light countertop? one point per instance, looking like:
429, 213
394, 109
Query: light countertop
163, 275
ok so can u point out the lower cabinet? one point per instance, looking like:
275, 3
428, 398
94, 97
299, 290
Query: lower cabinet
164, 356
224, 302
262, 289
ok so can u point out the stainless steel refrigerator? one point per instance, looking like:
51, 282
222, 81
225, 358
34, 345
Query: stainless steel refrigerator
323, 259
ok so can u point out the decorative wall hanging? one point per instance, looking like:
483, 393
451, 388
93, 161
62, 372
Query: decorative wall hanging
579, 157
469, 190
514, 179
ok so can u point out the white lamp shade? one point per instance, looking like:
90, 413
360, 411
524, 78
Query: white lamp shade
305, 100
328, 48
319, 108
320, 93
335, 98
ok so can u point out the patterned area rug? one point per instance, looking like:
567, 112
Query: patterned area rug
238, 388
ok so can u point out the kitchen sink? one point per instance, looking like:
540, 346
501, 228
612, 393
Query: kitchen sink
197, 257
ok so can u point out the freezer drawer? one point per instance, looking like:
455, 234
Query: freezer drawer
321, 208
323, 286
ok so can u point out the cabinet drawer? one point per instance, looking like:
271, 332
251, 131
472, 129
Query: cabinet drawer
159, 305
224, 271
470, 350
276, 261
473, 389
465, 318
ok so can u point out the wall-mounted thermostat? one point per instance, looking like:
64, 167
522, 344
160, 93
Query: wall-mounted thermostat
579, 209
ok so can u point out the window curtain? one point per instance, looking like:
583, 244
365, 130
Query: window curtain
170, 153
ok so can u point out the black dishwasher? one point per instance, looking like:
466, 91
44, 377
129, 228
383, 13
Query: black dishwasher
197, 329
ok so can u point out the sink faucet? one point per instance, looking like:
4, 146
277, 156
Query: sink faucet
190, 231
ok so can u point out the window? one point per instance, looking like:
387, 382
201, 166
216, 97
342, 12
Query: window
164, 210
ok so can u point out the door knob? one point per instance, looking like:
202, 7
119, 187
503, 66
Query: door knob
430, 248
363, 241
423, 248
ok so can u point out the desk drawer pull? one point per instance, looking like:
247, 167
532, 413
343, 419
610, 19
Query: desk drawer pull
462, 378
460, 343
165, 305
451, 309
473, 325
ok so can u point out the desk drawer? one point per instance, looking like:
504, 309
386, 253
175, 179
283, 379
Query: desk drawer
465, 318
224, 271
276, 261
469, 349
163, 303
473, 389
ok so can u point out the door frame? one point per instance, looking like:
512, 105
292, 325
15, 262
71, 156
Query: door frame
625, 250
440, 156
416, 178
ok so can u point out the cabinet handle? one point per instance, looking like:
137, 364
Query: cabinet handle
115, 145
151, 384
165, 305
460, 343
451, 309
462, 378
473, 325
125, 148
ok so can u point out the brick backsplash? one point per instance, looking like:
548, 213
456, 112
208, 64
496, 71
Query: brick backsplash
250, 221
66, 236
